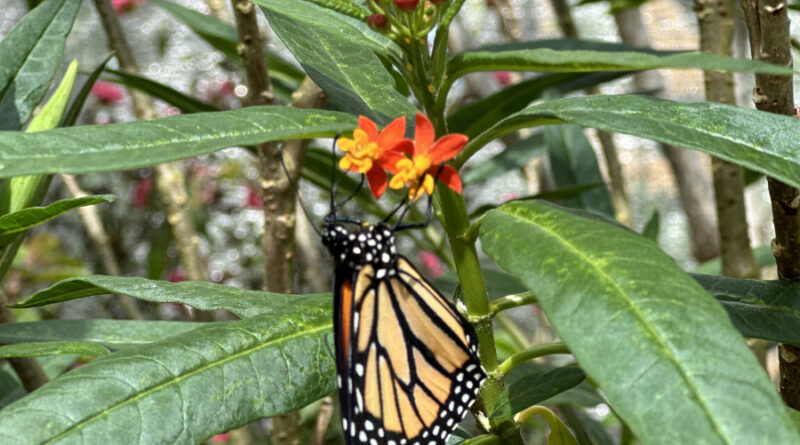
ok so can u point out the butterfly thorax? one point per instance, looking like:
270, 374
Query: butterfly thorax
354, 247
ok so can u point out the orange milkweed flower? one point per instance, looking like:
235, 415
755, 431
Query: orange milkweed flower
427, 161
371, 151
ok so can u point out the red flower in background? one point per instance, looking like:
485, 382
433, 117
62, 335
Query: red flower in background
504, 77
107, 92
142, 193
432, 262
406, 5
123, 6
377, 20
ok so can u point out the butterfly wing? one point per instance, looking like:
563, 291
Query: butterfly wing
409, 367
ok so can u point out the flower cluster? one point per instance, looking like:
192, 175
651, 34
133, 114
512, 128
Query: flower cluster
406, 18
414, 164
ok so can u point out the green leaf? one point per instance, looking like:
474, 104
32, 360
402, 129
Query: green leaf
587, 56
139, 144
31, 53
535, 388
11, 388
477, 117
181, 101
114, 334
550, 195
223, 37
498, 283
513, 157
762, 254
582, 423
40, 349
71, 116
197, 294
652, 228
761, 141
574, 163
337, 53
759, 309
33, 216
186, 388
639, 327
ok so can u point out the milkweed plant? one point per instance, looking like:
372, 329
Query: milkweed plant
358, 97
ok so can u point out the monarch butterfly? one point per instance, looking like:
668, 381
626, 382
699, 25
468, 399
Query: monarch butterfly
407, 361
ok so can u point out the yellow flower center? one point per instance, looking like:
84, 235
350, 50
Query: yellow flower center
411, 172
360, 152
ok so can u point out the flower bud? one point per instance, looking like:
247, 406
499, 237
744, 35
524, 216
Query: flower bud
377, 20
406, 5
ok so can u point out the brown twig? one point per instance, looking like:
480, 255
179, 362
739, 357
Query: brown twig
278, 234
688, 168
770, 41
97, 233
715, 18
619, 198
169, 178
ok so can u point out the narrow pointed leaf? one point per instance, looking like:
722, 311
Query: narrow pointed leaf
639, 327
587, 56
336, 51
764, 142
224, 38
33, 216
71, 116
535, 388
574, 163
197, 294
513, 157
30, 56
139, 144
184, 102
114, 334
184, 389
477, 117
40, 349
759, 309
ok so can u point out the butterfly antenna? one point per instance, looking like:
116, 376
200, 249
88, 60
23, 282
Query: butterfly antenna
332, 208
428, 212
297, 192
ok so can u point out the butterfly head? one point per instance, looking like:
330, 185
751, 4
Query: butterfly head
357, 246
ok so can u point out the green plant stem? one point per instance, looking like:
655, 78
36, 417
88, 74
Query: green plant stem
530, 354
512, 301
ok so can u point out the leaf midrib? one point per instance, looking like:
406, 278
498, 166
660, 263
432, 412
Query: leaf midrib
649, 326
139, 395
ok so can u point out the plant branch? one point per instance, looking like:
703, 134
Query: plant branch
715, 18
512, 301
169, 178
687, 166
97, 233
530, 354
770, 41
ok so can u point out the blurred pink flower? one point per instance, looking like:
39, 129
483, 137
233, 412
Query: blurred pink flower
142, 193
176, 276
107, 92
221, 438
123, 6
254, 198
504, 77
432, 262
